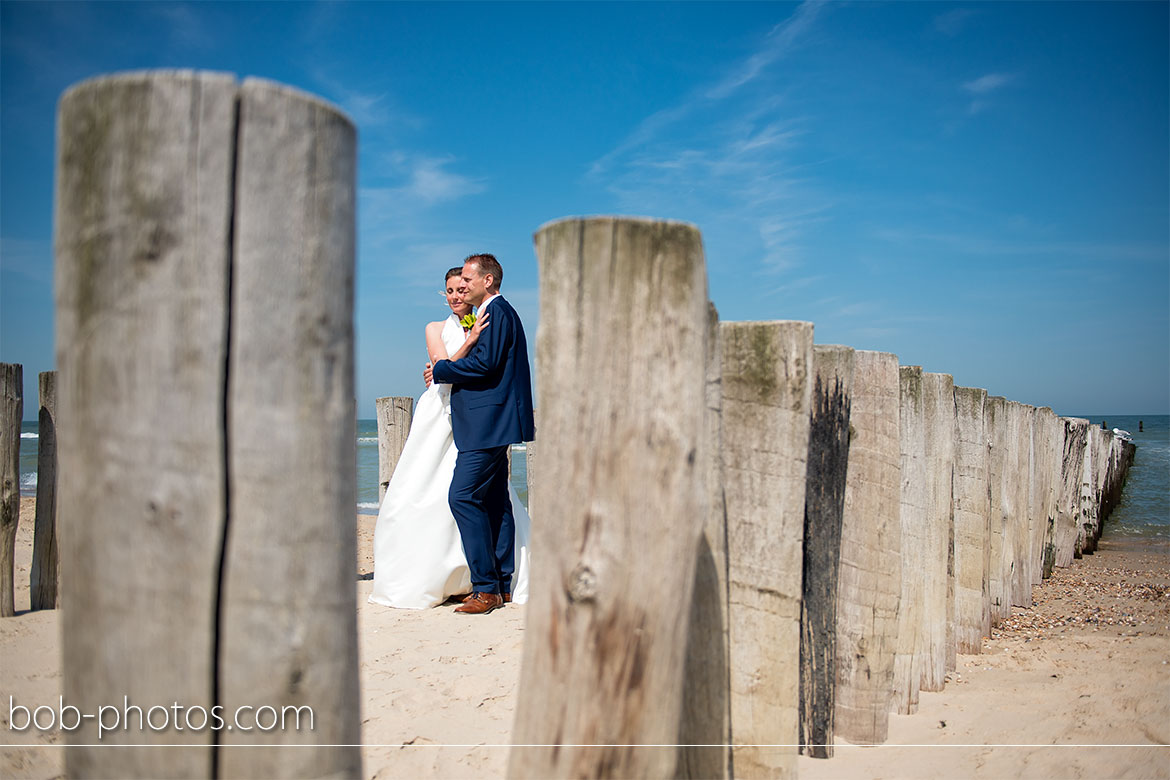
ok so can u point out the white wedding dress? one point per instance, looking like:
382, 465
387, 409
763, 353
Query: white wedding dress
418, 553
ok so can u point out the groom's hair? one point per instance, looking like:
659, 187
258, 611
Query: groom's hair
488, 264
453, 272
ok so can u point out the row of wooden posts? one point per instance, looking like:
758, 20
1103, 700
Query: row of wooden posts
865, 522
43, 573
722, 512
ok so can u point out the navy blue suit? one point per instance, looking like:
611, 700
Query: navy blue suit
491, 408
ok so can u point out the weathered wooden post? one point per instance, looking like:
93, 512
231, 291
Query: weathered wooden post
143, 226
530, 467
1115, 476
1068, 507
870, 585
706, 717
1027, 524
11, 410
204, 290
1086, 516
824, 502
1040, 500
1021, 564
1100, 439
607, 621
995, 422
767, 395
938, 584
43, 576
1037, 519
914, 497
394, 415
288, 632
1050, 447
972, 510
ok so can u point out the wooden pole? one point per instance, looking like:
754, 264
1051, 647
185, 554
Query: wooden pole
998, 528
824, 502
288, 621
530, 467
972, 509
1086, 515
1050, 448
394, 415
1068, 508
914, 498
705, 730
1021, 564
44, 575
142, 228
204, 236
1040, 499
937, 646
11, 411
767, 402
622, 404
1100, 438
870, 583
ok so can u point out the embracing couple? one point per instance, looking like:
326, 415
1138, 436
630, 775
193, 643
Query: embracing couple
450, 521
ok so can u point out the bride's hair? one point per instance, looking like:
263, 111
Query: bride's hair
458, 271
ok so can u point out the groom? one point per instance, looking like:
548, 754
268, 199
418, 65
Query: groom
491, 409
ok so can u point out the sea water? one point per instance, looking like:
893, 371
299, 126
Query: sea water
1144, 510
367, 465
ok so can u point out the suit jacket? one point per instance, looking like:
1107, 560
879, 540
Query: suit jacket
491, 393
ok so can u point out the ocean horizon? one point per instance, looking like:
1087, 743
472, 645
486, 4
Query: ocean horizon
1144, 510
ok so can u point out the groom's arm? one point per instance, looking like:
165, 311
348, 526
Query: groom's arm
486, 358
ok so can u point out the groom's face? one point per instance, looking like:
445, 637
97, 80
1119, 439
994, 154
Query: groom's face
475, 284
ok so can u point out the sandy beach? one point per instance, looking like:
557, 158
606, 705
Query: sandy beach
1088, 665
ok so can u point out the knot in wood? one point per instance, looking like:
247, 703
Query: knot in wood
582, 584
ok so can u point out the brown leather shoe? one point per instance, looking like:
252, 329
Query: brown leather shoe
481, 604
470, 596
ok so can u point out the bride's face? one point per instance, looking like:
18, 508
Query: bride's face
455, 297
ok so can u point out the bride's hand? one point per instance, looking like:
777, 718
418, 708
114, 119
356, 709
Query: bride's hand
481, 323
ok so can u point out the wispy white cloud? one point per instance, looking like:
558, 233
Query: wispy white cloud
724, 153
31, 259
779, 41
982, 88
989, 83
395, 217
187, 29
429, 181
371, 109
953, 22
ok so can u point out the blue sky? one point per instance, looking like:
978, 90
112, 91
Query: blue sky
981, 188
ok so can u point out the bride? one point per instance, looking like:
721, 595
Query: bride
418, 554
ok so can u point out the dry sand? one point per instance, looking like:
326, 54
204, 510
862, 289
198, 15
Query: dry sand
1088, 665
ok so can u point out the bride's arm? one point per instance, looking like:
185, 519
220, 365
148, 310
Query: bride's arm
435, 348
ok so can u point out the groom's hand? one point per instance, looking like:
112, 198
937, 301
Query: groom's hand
427, 376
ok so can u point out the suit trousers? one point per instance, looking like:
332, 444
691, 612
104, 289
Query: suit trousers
483, 511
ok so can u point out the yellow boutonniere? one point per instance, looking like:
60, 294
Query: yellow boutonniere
468, 321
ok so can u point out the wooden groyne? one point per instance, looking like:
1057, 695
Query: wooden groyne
867, 523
